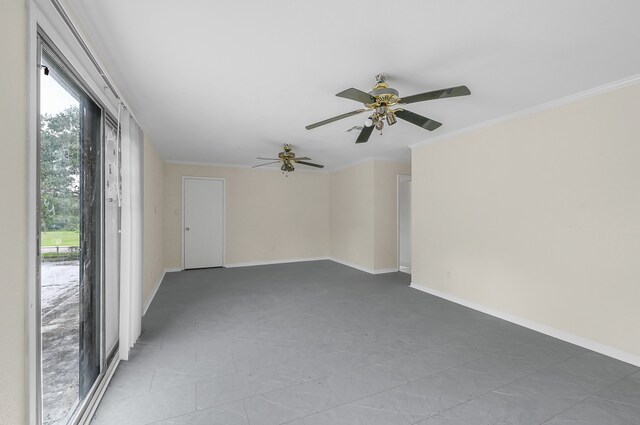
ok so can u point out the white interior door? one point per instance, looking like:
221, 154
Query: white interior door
203, 212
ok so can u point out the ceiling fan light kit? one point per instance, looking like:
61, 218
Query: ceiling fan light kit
380, 100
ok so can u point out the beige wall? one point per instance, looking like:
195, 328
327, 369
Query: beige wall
539, 217
385, 210
13, 175
364, 214
352, 215
153, 261
269, 217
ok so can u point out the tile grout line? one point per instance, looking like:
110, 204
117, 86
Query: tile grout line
153, 376
195, 384
246, 414
509, 383
331, 375
431, 374
568, 408
388, 389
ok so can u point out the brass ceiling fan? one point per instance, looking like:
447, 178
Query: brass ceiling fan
288, 159
380, 100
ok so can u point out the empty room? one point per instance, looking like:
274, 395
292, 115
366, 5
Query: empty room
320, 213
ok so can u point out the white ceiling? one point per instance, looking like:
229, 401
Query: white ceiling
224, 82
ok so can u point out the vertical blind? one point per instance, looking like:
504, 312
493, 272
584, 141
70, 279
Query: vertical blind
131, 238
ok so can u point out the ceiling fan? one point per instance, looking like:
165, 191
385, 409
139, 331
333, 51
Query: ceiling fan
288, 159
380, 100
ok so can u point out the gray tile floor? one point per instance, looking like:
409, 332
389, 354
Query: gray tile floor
319, 343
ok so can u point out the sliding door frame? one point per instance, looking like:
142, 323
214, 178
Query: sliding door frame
108, 361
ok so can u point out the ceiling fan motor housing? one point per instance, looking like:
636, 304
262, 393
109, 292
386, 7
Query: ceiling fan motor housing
286, 155
384, 95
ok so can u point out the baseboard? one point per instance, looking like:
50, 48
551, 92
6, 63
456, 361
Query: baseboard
538, 327
285, 261
172, 269
155, 289
382, 271
270, 262
363, 269
352, 265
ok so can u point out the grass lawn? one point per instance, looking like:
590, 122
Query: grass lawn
60, 238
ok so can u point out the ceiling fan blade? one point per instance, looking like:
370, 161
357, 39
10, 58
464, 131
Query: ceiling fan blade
364, 135
419, 120
336, 118
302, 158
266, 163
310, 164
357, 95
268, 159
436, 94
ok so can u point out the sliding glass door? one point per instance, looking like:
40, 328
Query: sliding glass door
71, 219
90, 194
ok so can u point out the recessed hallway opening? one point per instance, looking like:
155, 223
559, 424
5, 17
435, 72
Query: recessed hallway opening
317, 343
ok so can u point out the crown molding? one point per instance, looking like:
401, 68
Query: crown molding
369, 159
534, 110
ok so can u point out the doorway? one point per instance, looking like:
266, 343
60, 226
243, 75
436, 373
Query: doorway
203, 222
404, 223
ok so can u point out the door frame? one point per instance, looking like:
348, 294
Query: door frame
399, 179
224, 217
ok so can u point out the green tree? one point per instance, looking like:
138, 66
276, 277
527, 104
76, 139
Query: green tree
60, 170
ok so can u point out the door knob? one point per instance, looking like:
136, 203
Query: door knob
187, 229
